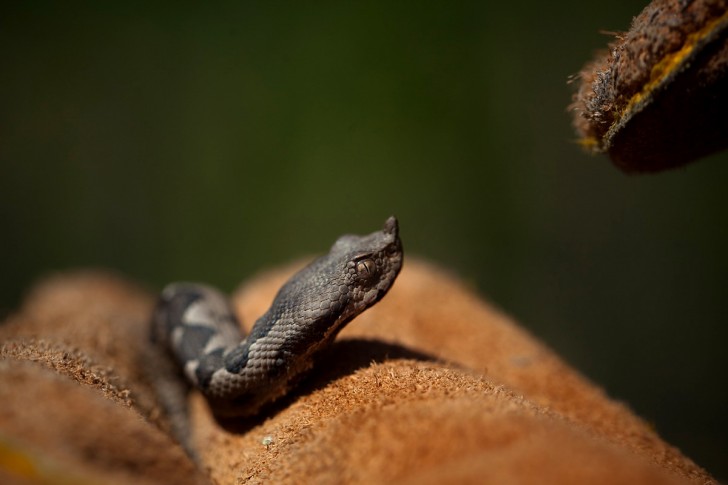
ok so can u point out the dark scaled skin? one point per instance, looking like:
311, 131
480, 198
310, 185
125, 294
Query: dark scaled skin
240, 374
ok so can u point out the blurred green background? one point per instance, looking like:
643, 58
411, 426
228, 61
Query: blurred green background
191, 141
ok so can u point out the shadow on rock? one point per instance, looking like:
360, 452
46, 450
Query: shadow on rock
343, 358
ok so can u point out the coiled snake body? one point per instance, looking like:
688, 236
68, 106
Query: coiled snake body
238, 375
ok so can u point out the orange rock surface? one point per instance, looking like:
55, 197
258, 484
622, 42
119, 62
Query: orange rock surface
432, 385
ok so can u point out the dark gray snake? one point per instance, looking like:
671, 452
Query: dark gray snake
238, 375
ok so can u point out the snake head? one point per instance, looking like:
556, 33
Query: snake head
331, 291
371, 264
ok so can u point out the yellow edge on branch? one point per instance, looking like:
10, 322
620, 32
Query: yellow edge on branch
670, 62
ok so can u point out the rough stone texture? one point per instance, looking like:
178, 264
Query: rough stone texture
432, 385
75, 408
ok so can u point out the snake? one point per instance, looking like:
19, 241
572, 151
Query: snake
197, 330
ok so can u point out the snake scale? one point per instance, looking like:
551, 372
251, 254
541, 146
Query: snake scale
195, 325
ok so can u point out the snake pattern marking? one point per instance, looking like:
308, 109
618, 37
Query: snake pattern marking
196, 326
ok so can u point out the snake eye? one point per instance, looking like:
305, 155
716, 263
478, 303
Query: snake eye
366, 268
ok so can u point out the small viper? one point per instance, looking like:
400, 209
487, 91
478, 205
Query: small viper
197, 327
